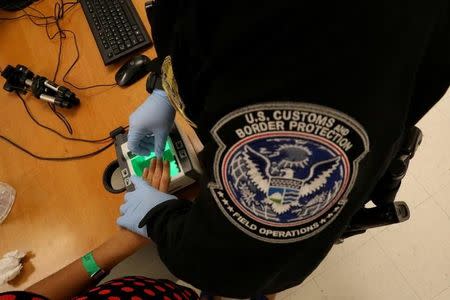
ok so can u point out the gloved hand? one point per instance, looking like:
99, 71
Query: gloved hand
138, 203
150, 125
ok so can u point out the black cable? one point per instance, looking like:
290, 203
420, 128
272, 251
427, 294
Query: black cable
59, 10
61, 117
56, 132
82, 156
29, 16
13, 18
58, 14
73, 65
58, 62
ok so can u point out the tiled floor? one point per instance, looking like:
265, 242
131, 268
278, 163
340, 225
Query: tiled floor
406, 261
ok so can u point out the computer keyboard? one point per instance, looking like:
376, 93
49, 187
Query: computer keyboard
116, 27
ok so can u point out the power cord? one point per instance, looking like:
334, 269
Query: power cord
82, 156
73, 65
67, 158
96, 141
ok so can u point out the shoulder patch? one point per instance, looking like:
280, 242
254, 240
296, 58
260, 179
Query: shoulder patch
283, 170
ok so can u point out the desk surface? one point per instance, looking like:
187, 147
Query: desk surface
61, 208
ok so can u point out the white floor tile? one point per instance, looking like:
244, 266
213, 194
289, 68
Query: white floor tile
340, 251
445, 295
411, 191
442, 198
431, 163
309, 290
433, 183
420, 248
365, 275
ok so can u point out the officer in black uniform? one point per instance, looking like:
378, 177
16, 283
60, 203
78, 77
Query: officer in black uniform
301, 107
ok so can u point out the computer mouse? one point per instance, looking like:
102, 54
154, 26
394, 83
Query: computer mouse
133, 70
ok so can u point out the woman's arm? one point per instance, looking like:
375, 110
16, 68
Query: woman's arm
73, 279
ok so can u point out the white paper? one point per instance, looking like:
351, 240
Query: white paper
10, 266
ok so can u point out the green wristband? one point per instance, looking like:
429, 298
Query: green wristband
89, 264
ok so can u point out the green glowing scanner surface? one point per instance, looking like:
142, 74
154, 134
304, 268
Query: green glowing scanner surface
139, 162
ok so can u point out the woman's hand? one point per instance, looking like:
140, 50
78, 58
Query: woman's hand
158, 174
149, 191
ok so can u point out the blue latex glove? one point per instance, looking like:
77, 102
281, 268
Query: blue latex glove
150, 125
138, 203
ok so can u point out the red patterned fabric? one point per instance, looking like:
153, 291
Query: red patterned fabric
127, 288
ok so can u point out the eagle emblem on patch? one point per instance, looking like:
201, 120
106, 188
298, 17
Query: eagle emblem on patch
283, 170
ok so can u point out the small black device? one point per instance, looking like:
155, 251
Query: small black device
133, 70
21, 80
154, 82
14, 5
117, 28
